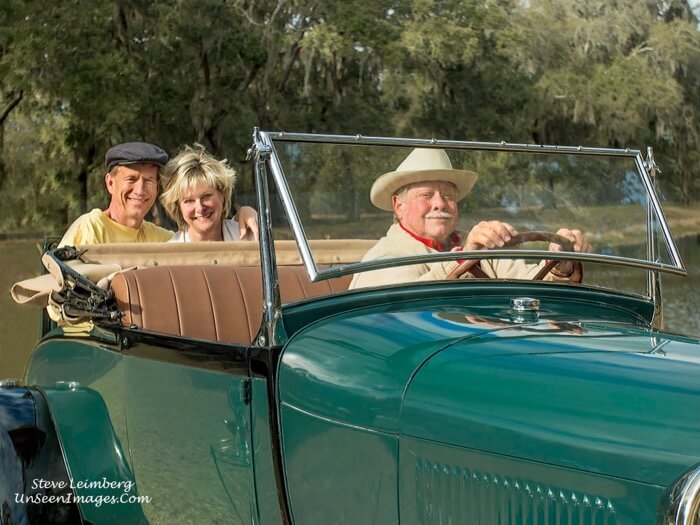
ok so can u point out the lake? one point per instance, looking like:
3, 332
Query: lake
20, 324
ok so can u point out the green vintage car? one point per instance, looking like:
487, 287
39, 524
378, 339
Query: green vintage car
245, 382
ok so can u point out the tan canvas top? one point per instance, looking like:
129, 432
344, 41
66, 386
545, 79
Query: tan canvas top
230, 253
101, 261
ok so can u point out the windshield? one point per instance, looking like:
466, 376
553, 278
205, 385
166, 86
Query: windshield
324, 184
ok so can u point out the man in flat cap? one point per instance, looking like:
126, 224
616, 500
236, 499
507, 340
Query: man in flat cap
132, 182
423, 193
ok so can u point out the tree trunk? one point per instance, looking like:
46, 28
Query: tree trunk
3, 172
683, 173
83, 190
3, 117
83, 177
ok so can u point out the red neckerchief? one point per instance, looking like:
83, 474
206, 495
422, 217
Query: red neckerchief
454, 240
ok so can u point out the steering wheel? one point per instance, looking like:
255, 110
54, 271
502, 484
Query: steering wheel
471, 265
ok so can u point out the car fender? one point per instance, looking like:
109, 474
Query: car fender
34, 486
100, 475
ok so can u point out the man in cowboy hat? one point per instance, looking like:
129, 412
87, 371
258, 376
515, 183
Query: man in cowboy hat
423, 193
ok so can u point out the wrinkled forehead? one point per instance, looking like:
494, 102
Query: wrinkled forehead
429, 185
145, 169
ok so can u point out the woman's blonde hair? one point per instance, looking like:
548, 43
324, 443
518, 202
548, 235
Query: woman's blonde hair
193, 167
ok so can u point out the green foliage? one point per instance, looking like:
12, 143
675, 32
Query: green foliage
81, 75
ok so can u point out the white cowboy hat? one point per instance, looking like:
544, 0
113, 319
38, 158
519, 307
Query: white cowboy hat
421, 165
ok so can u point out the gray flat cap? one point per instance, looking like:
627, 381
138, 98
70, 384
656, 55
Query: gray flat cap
135, 153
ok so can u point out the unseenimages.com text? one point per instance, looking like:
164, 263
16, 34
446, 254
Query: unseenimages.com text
124, 496
97, 501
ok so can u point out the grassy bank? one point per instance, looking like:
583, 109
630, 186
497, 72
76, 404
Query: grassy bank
19, 325
604, 225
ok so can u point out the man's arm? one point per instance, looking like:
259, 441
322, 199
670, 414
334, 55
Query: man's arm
496, 234
403, 274
247, 218
80, 232
570, 270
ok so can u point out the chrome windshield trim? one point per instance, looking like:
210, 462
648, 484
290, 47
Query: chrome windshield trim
291, 209
378, 264
643, 168
653, 279
284, 136
272, 332
270, 137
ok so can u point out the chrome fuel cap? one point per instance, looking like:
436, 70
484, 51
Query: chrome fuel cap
525, 304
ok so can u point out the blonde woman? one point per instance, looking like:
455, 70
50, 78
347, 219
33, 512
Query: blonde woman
197, 193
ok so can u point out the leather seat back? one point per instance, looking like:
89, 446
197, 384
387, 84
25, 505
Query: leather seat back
212, 302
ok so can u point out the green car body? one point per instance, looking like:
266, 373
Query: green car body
428, 403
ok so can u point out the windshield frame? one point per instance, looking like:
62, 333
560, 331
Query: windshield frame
265, 141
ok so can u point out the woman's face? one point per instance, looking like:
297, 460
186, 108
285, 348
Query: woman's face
202, 208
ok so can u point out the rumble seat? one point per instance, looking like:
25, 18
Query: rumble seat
212, 302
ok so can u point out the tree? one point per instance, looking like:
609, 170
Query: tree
609, 73
85, 59
448, 76
11, 88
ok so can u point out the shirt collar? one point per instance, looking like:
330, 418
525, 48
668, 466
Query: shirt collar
454, 240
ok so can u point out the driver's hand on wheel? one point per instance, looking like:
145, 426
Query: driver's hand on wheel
489, 235
581, 244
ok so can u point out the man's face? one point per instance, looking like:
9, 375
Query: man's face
133, 188
428, 209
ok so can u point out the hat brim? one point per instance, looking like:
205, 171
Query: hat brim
389, 183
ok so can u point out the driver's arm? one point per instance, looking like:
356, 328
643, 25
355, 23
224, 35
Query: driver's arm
489, 235
496, 234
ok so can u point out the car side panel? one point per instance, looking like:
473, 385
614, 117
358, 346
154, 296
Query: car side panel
181, 430
450, 484
190, 438
337, 473
571, 428
406, 370
82, 384
95, 457
340, 386
266, 491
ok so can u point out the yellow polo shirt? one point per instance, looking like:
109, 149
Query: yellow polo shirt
95, 227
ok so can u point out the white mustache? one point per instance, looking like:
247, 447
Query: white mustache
439, 215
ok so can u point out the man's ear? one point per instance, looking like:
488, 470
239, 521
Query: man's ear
396, 204
109, 182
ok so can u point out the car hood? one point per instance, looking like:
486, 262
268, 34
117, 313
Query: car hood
613, 399
531, 388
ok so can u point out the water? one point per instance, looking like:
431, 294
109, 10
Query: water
19, 325
681, 296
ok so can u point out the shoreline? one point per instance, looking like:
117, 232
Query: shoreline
25, 238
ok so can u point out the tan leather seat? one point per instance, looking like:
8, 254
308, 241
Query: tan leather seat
218, 303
